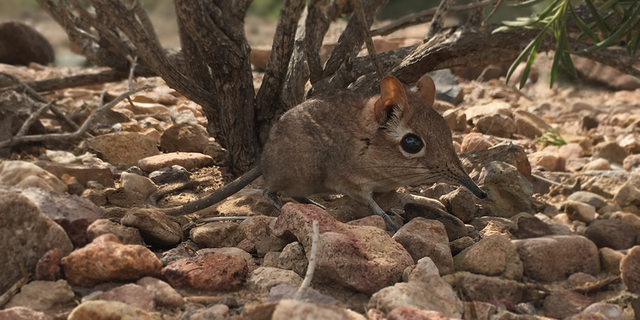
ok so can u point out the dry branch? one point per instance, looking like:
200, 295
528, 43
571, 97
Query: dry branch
359, 10
77, 80
311, 268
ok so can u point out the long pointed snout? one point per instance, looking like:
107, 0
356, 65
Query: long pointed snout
473, 187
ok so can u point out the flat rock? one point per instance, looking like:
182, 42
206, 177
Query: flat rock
589, 198
630, 270
426, 238
213, 272
460, 203
360, 257
496, 125
155, 227
509, 191
292, 309
47, 296
259, 230
25, 174
108, 310
475, 141
554, 258
26, 234
131, 294
106, 259
82, 173
532, 227
22, 313
474, 161
184, 137
136, 187
491, 256
126, 235
425, 290
529, 124
74, 214
455, 227
580, 211
217, 234
478, 287
187, 160
164, 294
123, 149
563, 304
265, 278
611, 151
612, 233
628, 194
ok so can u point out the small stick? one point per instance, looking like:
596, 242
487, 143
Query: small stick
306, 283
214, 219
357, 7
490, 15
32, 119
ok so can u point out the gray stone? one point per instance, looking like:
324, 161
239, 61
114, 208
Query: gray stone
509, 191
589, 198
492, 256
426, 238
612, 233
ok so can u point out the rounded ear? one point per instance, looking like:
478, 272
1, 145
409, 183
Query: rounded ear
427, 89
391, 94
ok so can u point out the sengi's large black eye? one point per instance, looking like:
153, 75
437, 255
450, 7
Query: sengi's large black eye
411, 143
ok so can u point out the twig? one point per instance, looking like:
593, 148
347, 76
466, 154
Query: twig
7, 295
484, 22
438, 19
357, 7
32, 119
214, 219
306, 283
76, 81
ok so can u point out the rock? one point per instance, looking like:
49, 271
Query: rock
476, 310
630, 218
155, 227
258, 230
183, 250
364, 258
82, 173
495, 227
25, 174
425, 290
484, 288
589, 198
293, 258
456, 119
171, 174
494, 107
474, 162
48, 267
632, 163
491, 256
601, 310
232, 251
123, 149
460, 244
214, 312
408, 313
165, 295
475, 141
612, 233
292, 309
426, 238
455, 227
532, 227
108, 310
131, 294
246, 202
554, 258
187, 160
628, 194
547, 160
447, 88
611, 151
185, 137
496, 125
213, 272
137, 187
217, 234
46, 296
21, 44
580, 279
509, 191
26, 234
570, 151
631, 144
74, 214
630, 270
264, 278
580, 211
126, 235
370, 221
22, 313
597, 165
460, 203
529, 125
106, 259
564, 304
610, 260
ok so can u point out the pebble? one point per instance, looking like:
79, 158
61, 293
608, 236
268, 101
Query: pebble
213, 272
293, 258
564, 304
425, 290
47, 296
477, 310
554, 258
460, 244
632, 163
264, 278
123, 149
601, 310
546, 160
22, 313
106, 259
217, 234
628, 194
476, 287
155, 227
532, 227
611, 151
496, 125
343, 256
610, 260
529, 124
170, 174
597, 165
48, 267
589, 198
184, 137
164, 294
126, 235
82, 173
475, 141
460, 203
579, 279
23, 174
612, 233
292, 309
580, 211
427, 238
455, 227
107, 310
510, 191
259, 230
138, 187
187, 160
630, 270
492, 256
232, 251
409, 313
131, 294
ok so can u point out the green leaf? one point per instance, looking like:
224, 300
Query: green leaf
602, 25
586, 30
525, 4
621, 29
520, 23
502, 29
605, 6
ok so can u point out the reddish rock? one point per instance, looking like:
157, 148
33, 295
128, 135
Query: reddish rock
409, 313
364, 258
126, 235
492, 256
460, 203
214, 272
48, 267
185, 137
630, 270
258, 230
131, 294
565, 303
164, 294
475, 141
187, 160
427, 238
123, 149
22, 313
454, 226
612, 233
106, 259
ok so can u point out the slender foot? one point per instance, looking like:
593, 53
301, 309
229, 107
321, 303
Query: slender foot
390, 212
306, 200
273, 199
391, 226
